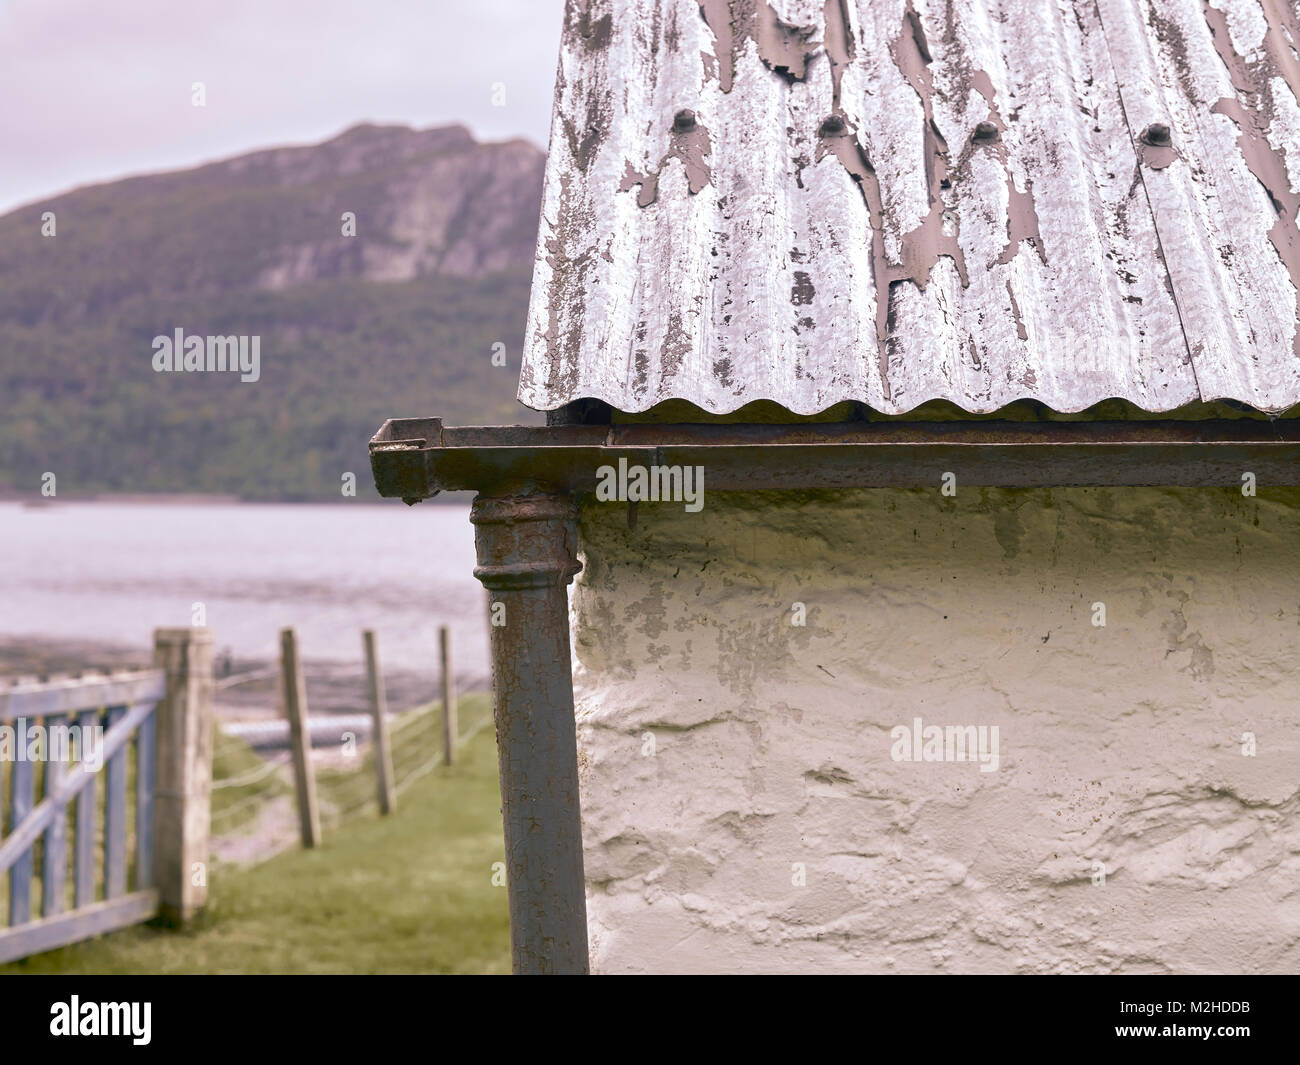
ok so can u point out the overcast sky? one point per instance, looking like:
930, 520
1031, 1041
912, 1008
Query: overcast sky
97, 89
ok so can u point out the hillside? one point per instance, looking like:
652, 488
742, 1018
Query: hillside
400, 319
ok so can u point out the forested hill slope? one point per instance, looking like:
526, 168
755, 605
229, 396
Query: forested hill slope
379, 272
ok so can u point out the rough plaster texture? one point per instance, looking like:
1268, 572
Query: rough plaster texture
1119, 744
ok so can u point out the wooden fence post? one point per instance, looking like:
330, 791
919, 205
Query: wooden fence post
183, 766
379, 712
293, 692
448, 698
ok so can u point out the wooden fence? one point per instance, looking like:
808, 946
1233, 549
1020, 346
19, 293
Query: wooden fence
293, 704
83, 738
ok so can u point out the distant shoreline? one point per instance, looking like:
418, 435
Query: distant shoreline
35, 499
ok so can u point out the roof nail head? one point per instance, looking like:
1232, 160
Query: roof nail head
832, 126
1157, 135
684, 121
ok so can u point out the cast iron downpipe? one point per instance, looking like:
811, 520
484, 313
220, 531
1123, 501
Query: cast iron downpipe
526, 538
526, 559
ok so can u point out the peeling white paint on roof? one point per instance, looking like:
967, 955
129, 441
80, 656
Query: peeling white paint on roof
896, 201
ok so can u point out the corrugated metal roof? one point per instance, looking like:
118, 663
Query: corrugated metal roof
894, 201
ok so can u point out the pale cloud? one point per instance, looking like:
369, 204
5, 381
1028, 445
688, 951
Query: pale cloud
93, 90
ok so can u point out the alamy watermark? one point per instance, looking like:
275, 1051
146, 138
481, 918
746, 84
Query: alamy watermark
53, 743
192, 354
77, 1018
946, 743
651, 484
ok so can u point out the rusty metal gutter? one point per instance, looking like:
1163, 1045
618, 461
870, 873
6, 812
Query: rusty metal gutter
415, 458
526, 539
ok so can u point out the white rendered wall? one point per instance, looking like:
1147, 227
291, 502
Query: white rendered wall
722, 747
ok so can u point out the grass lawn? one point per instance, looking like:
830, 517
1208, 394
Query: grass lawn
410, 893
